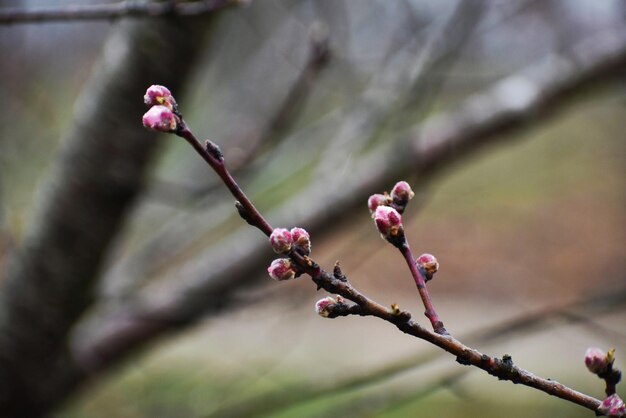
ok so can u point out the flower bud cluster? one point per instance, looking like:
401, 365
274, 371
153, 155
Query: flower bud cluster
402, 193
398, 199
389, 223
613, 407
284, 241
428, 264
301, 240
162, 115
377, 200
387, 212
281, 241
161, 119
325, 307
160, 96
598, 361
282, 269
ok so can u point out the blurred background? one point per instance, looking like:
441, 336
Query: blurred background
131, 288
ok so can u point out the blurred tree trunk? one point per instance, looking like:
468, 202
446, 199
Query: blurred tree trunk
81, 208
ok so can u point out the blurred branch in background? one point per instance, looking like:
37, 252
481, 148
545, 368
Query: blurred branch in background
50, 278
509, 105
522, 99
277, 128
112, 11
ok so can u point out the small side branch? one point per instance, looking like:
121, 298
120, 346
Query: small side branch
112, 11
420, 282
502, 368
210, 153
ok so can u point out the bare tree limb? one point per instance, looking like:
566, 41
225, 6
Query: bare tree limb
113, 11
83, 204
526, 98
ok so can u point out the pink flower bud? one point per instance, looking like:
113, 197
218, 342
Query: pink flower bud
281, 269
597, 360
301, 240
376, 200
324, 307
389, 222
160, 118
402, 193
429, 264
159, 96
281, 240
613, 407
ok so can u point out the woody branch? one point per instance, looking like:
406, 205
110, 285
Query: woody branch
295, 245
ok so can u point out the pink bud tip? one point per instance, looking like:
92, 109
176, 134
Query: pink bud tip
388, 221
597, 360
281, 269
402, 193
613, 407
375, 201
159, 96
323, 307
301, 240
281, 240
160, 118
429, 264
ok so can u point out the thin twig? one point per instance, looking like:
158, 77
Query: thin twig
112, 11
211, 154
420, 282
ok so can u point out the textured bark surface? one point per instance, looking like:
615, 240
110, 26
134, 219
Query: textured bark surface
81, 207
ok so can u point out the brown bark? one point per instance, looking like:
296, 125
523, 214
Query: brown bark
82, 206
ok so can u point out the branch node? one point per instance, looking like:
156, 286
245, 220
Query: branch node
243, 212
215, 151
440, 329
338, 273
395, 309
507, 362
463, 361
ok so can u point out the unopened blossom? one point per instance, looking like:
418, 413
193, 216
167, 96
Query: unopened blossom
301, 240
402, 193
281, 269
375, 201
389, 222
597, 360
281, 240
429, 265
159, 96
160, 118
613, 407
324, 307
